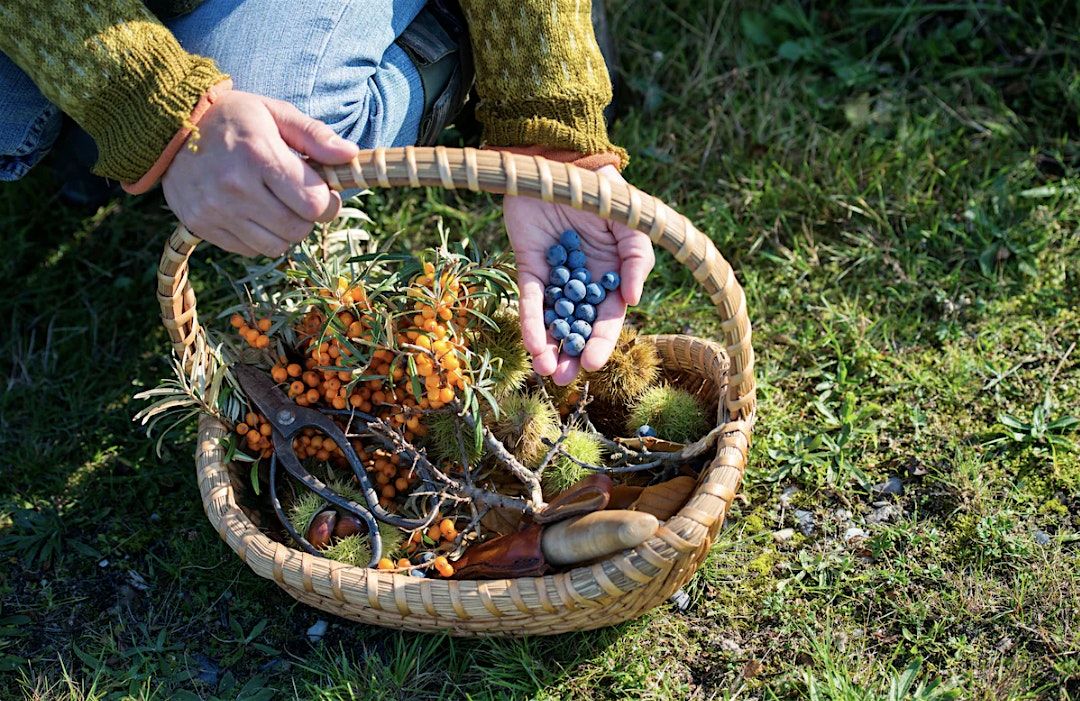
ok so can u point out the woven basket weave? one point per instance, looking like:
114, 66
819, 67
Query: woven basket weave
616, 589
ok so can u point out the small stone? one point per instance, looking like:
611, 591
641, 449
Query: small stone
893, 486
610, 281
570, 240
559, 329
103, 563
581, 328
574, 290
594, 293
549, 316
884, 513
574, 344
316, 632
784, 535
680, 599
559, 276
585, 312
729, 645
1042, 537
582, 274
552, 294
575, 259
556, 255
787, 494
564, 308
853, 533
805, 521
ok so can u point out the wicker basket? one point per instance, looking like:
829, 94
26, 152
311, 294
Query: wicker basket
617, 589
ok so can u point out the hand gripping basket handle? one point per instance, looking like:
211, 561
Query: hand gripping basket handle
512, 174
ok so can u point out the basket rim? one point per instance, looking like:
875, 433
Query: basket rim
560, 183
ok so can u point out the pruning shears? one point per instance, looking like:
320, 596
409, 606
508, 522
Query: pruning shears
288, 419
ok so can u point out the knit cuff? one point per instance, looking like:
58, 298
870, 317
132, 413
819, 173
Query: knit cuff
134, 120
152, 176
567, 125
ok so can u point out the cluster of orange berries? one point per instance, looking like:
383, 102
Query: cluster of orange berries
255, 336
256, 431
440, 563
391, 477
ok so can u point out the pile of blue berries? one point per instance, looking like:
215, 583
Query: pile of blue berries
571, 298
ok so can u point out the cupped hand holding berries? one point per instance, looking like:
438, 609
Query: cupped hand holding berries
534, 227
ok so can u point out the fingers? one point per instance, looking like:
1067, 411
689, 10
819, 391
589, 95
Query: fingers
299, 187
260, 238
227, 241
609, 321
638, 259
566, 371
533, 334
310, 136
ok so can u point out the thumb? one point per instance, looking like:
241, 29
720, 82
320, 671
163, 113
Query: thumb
310, 136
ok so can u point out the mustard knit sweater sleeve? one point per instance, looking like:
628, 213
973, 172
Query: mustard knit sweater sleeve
540, 74
114, 69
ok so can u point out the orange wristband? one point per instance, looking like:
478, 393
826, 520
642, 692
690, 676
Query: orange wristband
152, 176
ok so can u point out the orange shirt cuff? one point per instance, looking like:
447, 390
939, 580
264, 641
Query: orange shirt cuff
152, 176
592, 161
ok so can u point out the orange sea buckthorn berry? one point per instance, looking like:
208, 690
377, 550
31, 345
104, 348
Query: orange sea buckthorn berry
446, 395
264, 325
429, 268
251, 418
262, 341
242, 428
401, 484
313, 395
236, 321
279, 374
434, 533
446, 526
386, 564
403, 563
296, 387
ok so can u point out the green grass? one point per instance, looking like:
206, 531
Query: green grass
897, 187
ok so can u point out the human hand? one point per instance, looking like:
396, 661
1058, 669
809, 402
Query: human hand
244, 190
534, 226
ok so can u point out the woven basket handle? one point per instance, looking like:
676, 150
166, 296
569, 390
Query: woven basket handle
512, 174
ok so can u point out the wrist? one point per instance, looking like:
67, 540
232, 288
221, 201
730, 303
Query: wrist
179, 139
590, 161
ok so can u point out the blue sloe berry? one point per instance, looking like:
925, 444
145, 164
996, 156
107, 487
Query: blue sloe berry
582, 274
556, 255
559, 276
570, 240
575, 259
552, 294
574, 290
549, 316
610, 281
574, 344
559, 329
645, 430
581, 328
417, 573
564, 308
585, 312
594, 293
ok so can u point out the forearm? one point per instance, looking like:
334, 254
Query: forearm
540, 75
114, 69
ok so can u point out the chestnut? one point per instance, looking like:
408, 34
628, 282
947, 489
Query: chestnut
321, 529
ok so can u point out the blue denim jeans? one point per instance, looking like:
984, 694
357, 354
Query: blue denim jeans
336, 60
